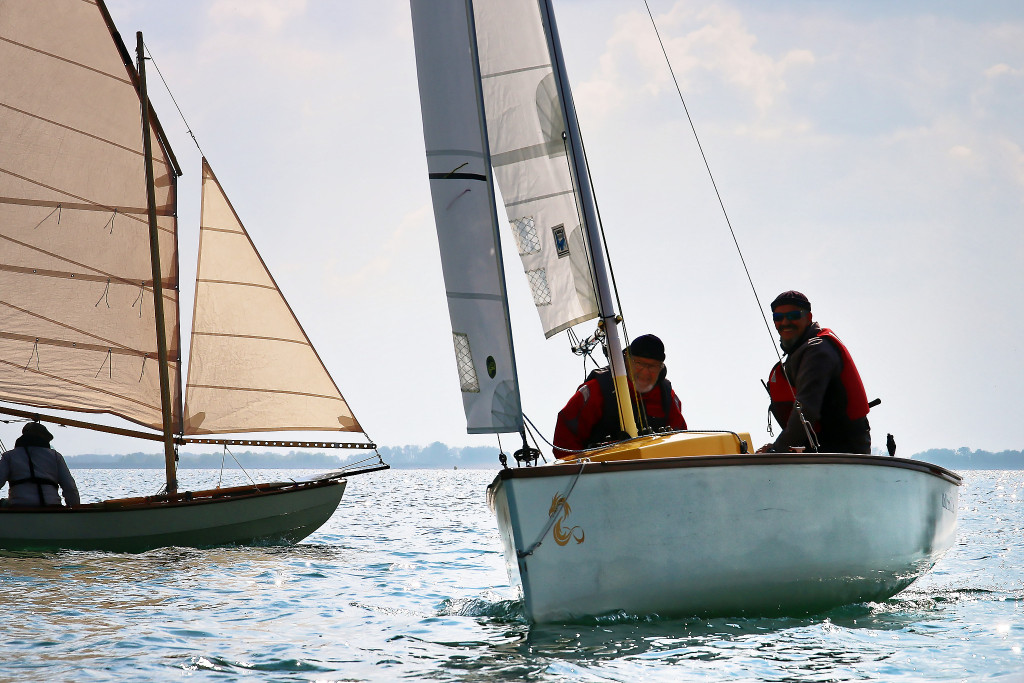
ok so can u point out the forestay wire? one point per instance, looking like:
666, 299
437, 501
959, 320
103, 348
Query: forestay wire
711, 176
171, 95
195, 140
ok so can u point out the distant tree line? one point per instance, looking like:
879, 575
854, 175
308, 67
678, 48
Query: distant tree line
964, 458
247, 459
438, 455
435, 455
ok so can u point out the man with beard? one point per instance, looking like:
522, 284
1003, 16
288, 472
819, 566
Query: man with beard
820, 377
591, 417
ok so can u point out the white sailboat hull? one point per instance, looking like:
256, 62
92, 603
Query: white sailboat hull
272, 515
723, 534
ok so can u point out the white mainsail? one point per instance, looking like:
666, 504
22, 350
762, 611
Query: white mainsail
251, 366
525, 125
465, 214
77, 328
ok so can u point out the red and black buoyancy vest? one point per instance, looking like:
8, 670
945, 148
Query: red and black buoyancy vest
609, 429
780, 394
856, 399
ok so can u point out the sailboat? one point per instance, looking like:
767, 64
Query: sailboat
89, 301
669, 524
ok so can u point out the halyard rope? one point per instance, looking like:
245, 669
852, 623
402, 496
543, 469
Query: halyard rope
760, 308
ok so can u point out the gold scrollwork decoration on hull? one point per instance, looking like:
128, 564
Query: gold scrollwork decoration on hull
564, 534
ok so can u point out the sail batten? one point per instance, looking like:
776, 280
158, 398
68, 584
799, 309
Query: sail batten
76, 253
251, 366
111, 348
44, 403
131, 212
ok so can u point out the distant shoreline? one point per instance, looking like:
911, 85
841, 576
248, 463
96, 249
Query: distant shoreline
440, 456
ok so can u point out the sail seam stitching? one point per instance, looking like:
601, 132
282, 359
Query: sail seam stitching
526, 153
216, 229
52, 273
71, 128
248, 336
84, 386
233, 282
107, 343
498, 74
66, 60
266, 390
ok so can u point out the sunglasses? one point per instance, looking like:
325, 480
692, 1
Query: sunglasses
647, 368
788, 315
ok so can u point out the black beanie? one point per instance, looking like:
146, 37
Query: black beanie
648, 346
792, 298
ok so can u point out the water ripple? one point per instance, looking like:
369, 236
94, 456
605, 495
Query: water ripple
407, 580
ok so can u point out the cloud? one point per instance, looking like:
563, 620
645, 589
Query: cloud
707, 46
998, 70
269, 15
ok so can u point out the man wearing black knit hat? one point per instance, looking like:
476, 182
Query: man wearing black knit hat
820, 380
591, 416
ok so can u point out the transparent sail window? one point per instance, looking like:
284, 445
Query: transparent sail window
539, 286
525, 231
468, 380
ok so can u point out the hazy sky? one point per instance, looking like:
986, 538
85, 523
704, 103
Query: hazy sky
868, 154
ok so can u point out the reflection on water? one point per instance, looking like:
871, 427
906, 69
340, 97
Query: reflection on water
407, 581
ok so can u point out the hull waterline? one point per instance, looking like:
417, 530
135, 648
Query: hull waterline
270, 514
722, 534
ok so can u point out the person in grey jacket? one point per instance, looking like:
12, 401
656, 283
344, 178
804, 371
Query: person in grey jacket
35, 471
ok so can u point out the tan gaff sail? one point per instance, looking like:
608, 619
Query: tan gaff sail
77, 328
251, 366
525, 125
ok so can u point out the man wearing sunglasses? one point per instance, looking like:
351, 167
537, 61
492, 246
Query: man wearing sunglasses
591, 416
820, 377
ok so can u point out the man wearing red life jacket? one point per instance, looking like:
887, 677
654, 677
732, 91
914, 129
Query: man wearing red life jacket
591, 416
825, 384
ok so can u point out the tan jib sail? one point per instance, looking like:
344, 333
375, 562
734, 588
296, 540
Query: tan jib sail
77, 329
251, 366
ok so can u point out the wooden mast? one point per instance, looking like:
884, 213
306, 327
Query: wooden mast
170, 452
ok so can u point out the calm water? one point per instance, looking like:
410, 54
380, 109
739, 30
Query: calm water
407, 581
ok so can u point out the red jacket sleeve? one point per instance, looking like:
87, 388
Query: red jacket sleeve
577, 419
676, 419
